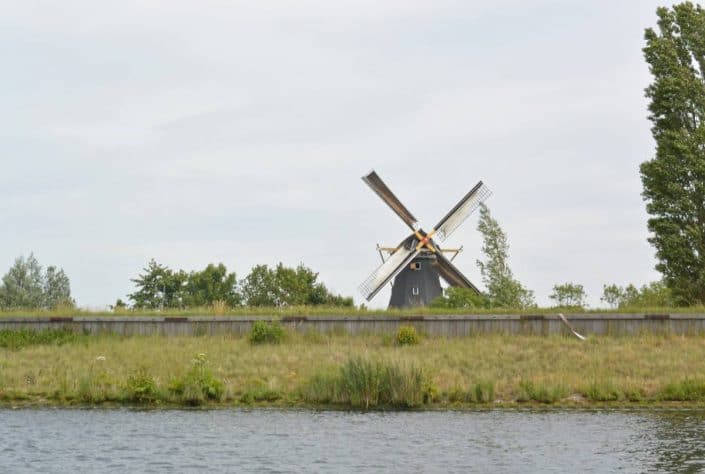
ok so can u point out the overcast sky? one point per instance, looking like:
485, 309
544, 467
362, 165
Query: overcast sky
237, 132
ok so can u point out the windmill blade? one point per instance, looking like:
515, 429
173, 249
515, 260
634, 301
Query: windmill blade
375, 182
389, 269
461, 211
451, 274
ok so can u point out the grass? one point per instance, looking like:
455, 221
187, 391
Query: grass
220, 310
359, 372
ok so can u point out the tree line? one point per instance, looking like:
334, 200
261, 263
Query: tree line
160, 287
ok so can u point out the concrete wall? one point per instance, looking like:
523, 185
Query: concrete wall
445, 326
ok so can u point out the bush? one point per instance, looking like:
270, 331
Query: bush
199, 384
263, 332
140, 387
406, 335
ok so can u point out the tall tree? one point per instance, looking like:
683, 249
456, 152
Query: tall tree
26, 285
503, 290
159, 287
674, 180
57, 288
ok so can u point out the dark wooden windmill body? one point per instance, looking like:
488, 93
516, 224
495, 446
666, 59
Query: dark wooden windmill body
418, 262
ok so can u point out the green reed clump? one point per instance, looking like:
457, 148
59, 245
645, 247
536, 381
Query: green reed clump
15, 339
407, 336
531, 392
365, 383
685, 391
604, 391
264, 332
198, 385
259, 394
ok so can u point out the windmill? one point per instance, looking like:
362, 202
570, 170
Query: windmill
418, 261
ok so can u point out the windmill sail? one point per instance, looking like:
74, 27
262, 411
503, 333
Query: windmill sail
461, 211
382, 190
389, 269
451, 274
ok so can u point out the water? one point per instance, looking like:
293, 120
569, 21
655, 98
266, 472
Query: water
59, 440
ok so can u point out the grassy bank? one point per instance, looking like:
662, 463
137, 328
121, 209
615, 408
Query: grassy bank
344, 371
219, 310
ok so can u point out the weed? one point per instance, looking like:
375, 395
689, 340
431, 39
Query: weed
198, 385
140, 387
407, 335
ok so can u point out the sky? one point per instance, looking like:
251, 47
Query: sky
237, 132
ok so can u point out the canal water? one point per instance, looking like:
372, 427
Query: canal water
97, 440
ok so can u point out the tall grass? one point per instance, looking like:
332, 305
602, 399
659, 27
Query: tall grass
366, 383
352, 371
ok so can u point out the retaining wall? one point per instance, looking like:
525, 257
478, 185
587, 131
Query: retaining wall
436, 325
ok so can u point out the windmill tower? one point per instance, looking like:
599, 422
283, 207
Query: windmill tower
418, 262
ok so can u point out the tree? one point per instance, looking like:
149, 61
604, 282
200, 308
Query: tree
502, 289
212, 284
57, 288
286, 286
569, 295
454, 297
612, 295
655, 294
159, 287
674, 180
25, 285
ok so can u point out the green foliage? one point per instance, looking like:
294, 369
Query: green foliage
503, 290
263, 332
363, 383
285, 286
15, 339
653, 295
198, 385
456, 297
569, 295
685, 391
407, 336
160, 287
611, 294
528, 391
674, 180
141, 387
25, 285
603, 392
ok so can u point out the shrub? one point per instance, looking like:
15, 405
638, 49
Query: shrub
407, 335
199, 384
263, 332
